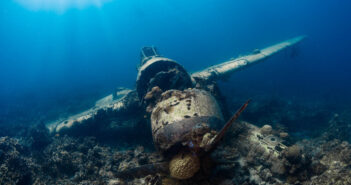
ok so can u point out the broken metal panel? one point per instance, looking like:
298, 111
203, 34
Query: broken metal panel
268, 143
221, 70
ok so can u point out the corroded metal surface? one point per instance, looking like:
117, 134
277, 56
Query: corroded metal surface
179, 112
163, 72
166, 74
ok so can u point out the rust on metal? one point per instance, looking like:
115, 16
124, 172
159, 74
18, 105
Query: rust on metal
228, 124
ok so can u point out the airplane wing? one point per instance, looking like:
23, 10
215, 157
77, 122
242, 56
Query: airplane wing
224, 69
110, 108
119, 111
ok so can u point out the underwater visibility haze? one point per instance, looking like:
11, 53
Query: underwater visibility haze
80, 102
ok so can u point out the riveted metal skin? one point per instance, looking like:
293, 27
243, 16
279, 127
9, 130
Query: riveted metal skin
179, 113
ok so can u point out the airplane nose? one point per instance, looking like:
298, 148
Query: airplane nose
184, 116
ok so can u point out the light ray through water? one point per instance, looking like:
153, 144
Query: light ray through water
60, 5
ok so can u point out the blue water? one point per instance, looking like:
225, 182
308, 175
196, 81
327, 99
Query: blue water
62, 59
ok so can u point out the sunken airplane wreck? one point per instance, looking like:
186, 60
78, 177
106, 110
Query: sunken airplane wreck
186, 112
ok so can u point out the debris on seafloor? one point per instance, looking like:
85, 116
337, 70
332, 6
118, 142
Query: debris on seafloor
185, 112
245, 157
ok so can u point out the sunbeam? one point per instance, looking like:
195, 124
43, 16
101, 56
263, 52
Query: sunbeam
60, 5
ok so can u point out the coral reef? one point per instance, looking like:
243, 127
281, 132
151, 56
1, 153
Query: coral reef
339, 126
266, 129
14, 167
66, 160
184, 166
332, 161
249, 155
247, 160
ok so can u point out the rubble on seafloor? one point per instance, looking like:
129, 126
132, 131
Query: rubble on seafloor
248, 155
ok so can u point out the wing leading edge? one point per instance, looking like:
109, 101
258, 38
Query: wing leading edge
219, 71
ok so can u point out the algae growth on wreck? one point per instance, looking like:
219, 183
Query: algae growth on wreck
123, 92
